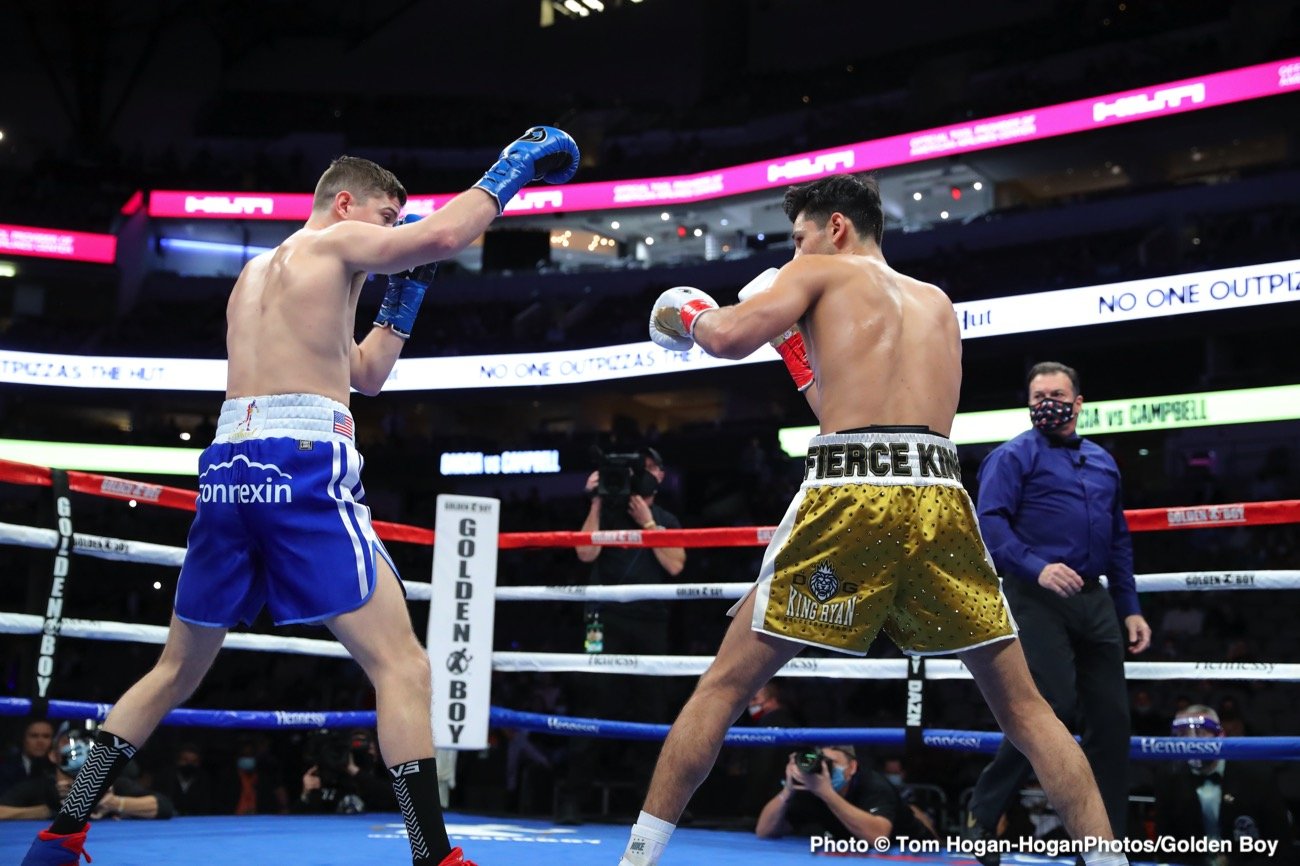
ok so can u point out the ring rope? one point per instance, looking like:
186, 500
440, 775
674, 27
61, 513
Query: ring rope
103, 547
649, 665
1139, 520
1148, 748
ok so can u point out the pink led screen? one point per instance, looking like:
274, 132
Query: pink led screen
57, 244
1190, 94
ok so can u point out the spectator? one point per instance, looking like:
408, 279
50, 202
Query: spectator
253, 786
345, 776
826, 793
32, 758
1204, 797
39, 797
929, 801
623, 495
1145, 719
767, 709
187, 784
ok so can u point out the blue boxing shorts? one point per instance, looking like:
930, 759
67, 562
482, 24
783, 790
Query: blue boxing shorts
282, 521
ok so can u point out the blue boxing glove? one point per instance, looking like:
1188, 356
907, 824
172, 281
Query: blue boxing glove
541, 153
405, 294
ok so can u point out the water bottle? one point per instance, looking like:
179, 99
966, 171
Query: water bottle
595, 641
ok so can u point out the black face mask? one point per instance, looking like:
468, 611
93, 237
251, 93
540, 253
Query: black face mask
1051, 415
187, 771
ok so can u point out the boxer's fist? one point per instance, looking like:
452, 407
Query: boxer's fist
405, 293
788, 345
541, 153
673, 317
760, 283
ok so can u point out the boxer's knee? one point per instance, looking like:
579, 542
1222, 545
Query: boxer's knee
175, 679
406, 667
721, 689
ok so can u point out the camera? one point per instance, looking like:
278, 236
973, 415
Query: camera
331, 751
809, 760
620, 477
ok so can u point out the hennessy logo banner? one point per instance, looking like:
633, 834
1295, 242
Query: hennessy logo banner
461, 612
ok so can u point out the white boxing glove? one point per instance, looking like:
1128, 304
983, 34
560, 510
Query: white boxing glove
788, 345
760, 283
673, 317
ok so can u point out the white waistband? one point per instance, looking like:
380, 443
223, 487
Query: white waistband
883, 456
289, 416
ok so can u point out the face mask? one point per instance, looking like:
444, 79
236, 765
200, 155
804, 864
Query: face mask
755, 710
247, 765
837, 776
1200, 727
895, 779
187, 771
1051, 415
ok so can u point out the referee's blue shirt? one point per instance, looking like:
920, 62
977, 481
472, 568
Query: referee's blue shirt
1043, 500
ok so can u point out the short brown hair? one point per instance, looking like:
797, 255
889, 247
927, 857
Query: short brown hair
1047, 368
361, 177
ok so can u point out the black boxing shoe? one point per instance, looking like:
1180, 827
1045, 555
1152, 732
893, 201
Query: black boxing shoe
985, 852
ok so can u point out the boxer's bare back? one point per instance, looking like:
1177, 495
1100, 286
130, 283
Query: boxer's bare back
290, 316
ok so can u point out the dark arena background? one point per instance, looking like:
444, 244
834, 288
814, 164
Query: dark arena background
1111, 185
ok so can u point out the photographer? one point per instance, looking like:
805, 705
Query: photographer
41, 796
622, 495
343, 776
825, 793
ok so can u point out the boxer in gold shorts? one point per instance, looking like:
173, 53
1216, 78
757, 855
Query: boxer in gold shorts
881, 534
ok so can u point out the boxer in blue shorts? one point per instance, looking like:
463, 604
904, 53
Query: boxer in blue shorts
282, 521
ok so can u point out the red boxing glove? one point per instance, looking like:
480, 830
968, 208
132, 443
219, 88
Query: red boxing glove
790, 344
791, 349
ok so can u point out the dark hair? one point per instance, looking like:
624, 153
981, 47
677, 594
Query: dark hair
1046, 368
775, 691
361, 177
858, 198
653, 455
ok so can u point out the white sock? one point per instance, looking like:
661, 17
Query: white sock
650, 837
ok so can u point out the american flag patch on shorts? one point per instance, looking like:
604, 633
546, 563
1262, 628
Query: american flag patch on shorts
343, 424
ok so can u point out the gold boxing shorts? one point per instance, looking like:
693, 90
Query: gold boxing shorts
881, 535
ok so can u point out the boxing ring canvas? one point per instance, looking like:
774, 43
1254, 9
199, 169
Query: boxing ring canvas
357, 840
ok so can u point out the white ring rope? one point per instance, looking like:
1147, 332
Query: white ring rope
662, 666
161, 554
94, 629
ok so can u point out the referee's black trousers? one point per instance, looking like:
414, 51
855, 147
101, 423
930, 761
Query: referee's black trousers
1075, 650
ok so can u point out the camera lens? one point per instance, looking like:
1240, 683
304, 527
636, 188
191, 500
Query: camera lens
809, 760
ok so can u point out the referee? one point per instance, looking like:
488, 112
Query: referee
1050, 512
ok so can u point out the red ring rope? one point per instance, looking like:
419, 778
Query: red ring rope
1139, 520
